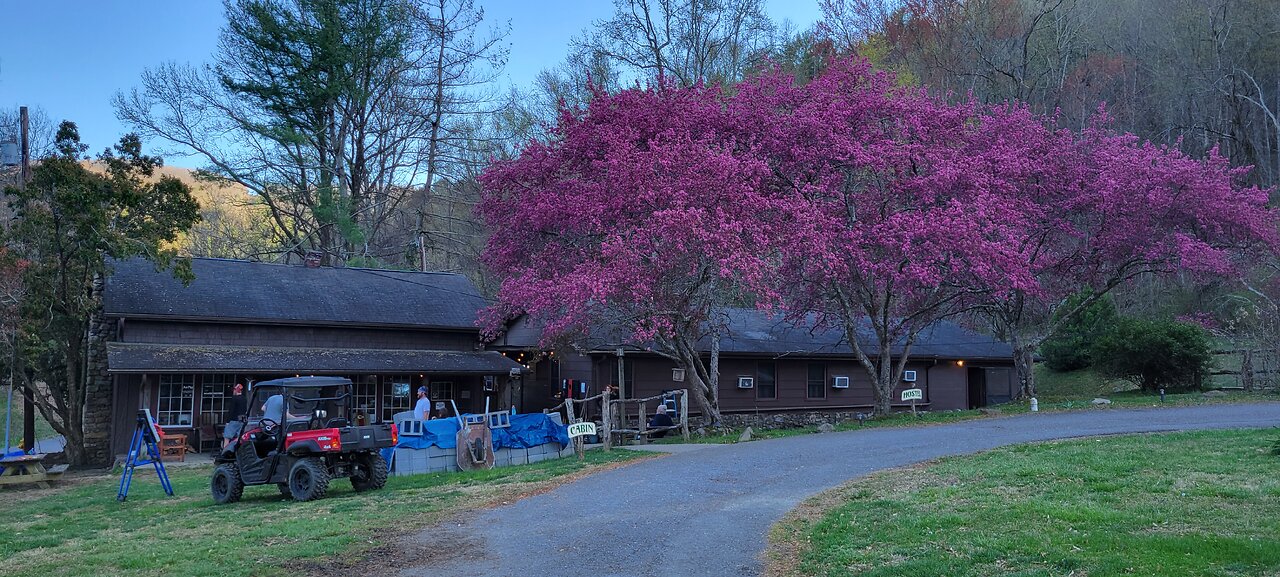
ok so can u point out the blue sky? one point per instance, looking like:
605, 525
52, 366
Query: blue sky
70, 57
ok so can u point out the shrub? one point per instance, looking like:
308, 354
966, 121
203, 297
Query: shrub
1154, 354
1070, 348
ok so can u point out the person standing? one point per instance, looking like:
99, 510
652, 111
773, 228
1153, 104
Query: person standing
235, 415
422, 410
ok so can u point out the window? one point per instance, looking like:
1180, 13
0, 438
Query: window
364, 397
215, 393
766, 381
442, 390
817, 381
398, 396
176, 400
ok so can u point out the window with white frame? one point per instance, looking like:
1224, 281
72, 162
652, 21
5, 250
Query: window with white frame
215, 393
365, 396
175, 400
398, 395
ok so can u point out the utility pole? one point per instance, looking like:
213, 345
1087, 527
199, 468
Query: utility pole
26, 146
28, 407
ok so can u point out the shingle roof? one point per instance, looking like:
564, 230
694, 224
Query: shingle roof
756, 332
141, 357
252, 291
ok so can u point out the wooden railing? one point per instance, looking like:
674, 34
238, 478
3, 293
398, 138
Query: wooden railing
614, 416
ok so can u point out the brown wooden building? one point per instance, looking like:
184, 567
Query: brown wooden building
768, 365
179, 349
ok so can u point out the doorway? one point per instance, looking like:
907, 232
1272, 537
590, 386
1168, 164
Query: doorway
977, 388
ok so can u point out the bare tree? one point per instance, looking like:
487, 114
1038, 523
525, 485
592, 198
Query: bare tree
685, 41
331, 111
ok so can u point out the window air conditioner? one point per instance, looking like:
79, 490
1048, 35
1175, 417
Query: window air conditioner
909, 376
840, 382
746, 382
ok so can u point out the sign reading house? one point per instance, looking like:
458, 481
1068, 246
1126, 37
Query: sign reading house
582, 429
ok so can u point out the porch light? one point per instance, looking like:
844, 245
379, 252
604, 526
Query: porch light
959, 363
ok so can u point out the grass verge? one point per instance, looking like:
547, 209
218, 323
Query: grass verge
78, 529
1057, 392
1202, 503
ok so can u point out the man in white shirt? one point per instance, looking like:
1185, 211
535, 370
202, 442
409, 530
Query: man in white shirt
422, 410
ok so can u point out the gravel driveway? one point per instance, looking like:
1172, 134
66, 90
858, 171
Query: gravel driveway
707, 512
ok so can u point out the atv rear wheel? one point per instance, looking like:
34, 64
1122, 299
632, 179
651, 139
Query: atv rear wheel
308, 479
226, 485
370, 472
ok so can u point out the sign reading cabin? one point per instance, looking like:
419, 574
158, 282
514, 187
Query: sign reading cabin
582, 429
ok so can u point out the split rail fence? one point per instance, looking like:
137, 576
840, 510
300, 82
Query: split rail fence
615, 416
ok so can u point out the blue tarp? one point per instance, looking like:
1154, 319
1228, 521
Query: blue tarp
526, 430
11, 453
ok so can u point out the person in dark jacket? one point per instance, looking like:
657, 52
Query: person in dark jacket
660, 419
235, 412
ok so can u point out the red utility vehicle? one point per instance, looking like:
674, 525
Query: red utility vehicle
298, 435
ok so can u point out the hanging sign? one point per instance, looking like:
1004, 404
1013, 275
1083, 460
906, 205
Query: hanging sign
582, 429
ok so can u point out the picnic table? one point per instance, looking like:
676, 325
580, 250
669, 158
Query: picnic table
24, 469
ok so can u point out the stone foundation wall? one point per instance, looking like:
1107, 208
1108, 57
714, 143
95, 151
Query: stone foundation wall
789, 419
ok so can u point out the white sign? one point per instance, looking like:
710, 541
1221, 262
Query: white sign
582, 429
913, 395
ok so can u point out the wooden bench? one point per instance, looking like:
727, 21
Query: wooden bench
28, 469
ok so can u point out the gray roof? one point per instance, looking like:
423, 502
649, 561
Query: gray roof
255, 292
148, 358
755, 332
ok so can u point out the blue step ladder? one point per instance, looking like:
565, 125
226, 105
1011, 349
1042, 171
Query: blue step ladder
143, 435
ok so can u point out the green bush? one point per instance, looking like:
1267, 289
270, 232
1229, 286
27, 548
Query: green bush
1070, 348
1154, 354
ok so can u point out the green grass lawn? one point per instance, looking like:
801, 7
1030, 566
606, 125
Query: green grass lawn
1201, 503
43, 430
80, 529
1056, 392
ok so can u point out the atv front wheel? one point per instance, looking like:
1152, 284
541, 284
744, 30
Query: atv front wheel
226, 485
370, 472
308, 479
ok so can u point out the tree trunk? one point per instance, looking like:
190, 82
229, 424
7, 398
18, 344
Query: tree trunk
883, 384
1246, 370
715, 373
700, 387
1024, 367
75, 387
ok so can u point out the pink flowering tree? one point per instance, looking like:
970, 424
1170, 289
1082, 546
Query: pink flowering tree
643, 213
1108, 208
900, 210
